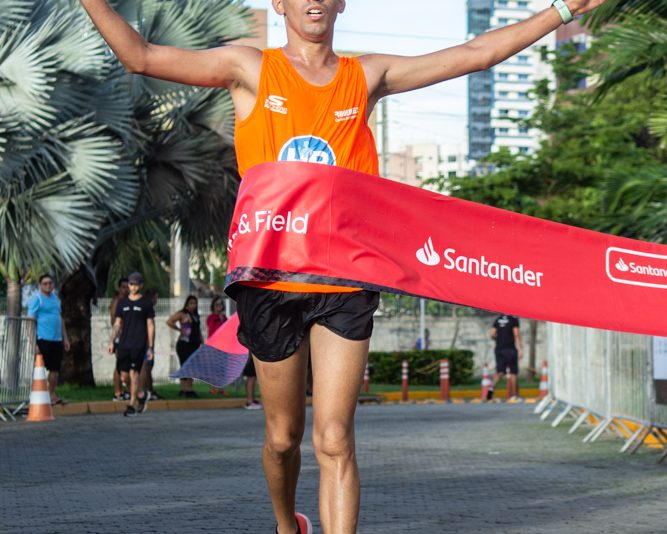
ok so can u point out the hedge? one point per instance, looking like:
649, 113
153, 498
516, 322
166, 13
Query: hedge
385, 367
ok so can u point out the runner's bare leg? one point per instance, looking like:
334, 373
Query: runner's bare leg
338, 368
283, 389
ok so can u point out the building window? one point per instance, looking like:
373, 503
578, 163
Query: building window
503, 130
504, 112
524, 77
522, 58
503, 76
522, 4
523, 113
524, 149
523, 131
452, 159
503, 20
503, 94
451, 174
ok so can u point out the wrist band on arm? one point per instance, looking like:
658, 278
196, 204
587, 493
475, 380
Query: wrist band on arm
563, 11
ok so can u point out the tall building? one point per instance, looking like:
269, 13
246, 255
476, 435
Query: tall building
498, 97
420, 162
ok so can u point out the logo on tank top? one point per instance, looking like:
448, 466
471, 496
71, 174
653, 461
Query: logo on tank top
276, 104
307, 149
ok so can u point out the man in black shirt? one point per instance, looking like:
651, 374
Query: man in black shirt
509, 350
134, 321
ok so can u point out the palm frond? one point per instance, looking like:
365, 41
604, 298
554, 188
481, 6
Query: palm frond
616, 10
14, 12
49, 220
637, 45
27, 70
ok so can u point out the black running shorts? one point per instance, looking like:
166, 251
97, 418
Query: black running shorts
274, 323
507, 358
129, 359
52, 351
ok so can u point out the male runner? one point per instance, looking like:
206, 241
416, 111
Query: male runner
304, 103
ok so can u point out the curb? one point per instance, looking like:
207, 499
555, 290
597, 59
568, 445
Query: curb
415, 397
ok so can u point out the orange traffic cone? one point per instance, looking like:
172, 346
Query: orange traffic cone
544, 380
40, 400
486, 382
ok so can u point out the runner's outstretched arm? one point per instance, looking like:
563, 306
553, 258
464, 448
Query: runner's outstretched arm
217, 67
396, 74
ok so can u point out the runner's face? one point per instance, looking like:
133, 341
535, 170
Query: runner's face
124, 288
313, 19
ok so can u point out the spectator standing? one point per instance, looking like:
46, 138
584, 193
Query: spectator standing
135, 324
214, 321
509, 350
52, 340
186, 321
217, 316
122, 291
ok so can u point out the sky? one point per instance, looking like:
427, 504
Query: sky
406, 27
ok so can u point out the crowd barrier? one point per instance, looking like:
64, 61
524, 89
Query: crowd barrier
17, 352
607, 382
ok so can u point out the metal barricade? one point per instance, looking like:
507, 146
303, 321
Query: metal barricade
17, 354
604, 380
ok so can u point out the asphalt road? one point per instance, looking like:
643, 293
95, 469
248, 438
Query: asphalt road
424, 468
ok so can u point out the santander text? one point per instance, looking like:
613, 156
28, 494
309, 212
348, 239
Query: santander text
517, 274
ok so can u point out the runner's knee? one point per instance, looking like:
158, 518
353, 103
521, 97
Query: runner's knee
282, 444
335, 439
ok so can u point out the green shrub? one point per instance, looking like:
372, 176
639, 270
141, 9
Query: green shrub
385, 367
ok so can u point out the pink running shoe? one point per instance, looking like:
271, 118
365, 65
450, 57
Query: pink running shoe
304, 524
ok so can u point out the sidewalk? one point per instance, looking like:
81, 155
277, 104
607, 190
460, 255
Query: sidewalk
106, 407
437, 468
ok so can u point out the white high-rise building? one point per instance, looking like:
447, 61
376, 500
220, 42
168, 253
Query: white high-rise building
501, 95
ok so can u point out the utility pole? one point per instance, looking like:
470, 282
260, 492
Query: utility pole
180, 265
385, 138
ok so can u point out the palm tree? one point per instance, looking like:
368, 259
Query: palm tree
62, 170
87, 152
632, 45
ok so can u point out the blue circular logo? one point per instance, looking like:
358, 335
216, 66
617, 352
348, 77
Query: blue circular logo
307, 149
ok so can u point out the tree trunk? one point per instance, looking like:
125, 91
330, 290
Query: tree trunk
12, 349
13, 298
76, 295
532, 364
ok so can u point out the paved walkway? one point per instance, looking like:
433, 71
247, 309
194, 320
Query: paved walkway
425, 469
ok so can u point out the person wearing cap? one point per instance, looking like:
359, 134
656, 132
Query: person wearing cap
135, 329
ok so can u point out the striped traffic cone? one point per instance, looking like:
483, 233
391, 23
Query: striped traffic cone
40, 400
544, 380
486, 383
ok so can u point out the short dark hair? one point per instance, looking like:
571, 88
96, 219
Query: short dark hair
120, 281
47, 275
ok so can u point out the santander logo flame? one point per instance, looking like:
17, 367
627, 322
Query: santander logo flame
622, 266
427, 255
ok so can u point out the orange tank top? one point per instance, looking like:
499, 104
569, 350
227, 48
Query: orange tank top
294, 120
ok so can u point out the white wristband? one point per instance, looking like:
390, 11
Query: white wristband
563, 11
